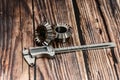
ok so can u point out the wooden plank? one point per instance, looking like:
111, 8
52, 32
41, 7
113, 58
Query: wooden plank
98, 25
16, 34
21, 35
26, 34
111, 14
65, 66
96, 21
10, 56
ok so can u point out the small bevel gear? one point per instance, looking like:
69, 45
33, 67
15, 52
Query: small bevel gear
63, 32
44, 34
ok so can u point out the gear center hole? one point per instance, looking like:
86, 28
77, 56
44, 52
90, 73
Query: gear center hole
42, 31
61, 29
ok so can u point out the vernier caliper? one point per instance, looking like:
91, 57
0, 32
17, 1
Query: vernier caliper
36, 52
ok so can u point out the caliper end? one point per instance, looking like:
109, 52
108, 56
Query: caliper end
30, 60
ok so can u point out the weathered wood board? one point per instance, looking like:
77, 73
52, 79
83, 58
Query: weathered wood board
93, 21
98, 23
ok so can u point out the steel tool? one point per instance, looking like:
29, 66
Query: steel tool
48, 51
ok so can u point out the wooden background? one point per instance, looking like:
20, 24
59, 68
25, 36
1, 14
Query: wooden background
93, 21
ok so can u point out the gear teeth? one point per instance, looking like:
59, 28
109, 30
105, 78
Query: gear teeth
45, 43
36, 34
37, 40
49, 34
48, 27
48, 40
49, 30
46, 24
63, 31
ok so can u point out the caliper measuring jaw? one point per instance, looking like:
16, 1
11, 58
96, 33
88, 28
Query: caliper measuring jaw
28, 58
32, 53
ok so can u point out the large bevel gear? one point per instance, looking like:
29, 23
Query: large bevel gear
44, 34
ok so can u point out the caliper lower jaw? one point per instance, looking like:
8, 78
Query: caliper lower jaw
30, 55
28, 58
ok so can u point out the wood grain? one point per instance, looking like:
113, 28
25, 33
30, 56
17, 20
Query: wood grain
93, 21
27, 31
16, 33
64, 66
98, 25
10, 57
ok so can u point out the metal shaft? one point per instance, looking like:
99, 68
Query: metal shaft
85, 47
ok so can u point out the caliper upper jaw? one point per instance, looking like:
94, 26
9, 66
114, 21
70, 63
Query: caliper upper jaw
30, 60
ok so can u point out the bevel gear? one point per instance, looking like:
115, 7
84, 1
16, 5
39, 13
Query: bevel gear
63, 32
44, 34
